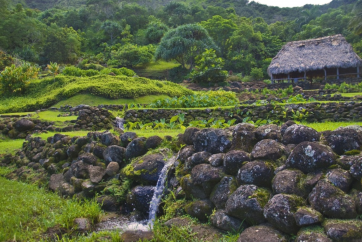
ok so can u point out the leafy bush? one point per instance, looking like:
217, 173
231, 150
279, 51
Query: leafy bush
208, 68
257, 73
5, 60
74, 71
344, 87
233, 79
197, 100
15, 79
132, 55
247, 79
46, 92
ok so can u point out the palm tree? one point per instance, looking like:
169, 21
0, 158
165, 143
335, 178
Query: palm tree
53, 68
356, 22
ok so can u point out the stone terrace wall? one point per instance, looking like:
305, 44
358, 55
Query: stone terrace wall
317, 112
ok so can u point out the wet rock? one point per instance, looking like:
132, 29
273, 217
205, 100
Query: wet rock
289, 182
192, 190
201, 209
269, 131
312, 234
307, 216
135, 236
234, 160
114, 153
225, 222
216, 160
196, 159
55, 182
332, 201
343, 140
259, 173
248, 202
88, 158
206, 176
186, 152
136, 148
356, 169
112, 169
296, 134
222, 191
269, 149
146, 170
96, 173
280, 210
140, 198
82, 225
343, 230
340, 178
127, 137
189, 135
153, 142
261, 233
309, 157
107, 139
24, 125
108, 203
211, 140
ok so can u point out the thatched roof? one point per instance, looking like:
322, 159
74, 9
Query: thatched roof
314, 54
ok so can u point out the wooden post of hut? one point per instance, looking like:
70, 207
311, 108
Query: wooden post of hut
272, 79
305, 75
325, 74
357, 71
337, 73
288, 77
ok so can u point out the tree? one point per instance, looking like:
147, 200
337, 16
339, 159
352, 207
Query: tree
220, 30
356, 22
155, 31
112, 29
184, 43
131, 55
53, 69
208, 68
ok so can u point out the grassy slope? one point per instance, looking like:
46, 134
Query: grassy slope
46, 92
10, 146
27, 211
156, 70
330, 125
92, 100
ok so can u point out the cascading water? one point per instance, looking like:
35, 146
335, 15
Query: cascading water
120, 123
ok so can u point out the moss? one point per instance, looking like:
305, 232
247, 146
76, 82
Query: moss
262, 195
354, 232
312, 229
352, 152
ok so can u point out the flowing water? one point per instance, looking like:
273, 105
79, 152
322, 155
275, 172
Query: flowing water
120, 123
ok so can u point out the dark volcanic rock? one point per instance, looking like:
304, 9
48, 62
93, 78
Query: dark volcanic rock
296, 134
332, 201
284, 126
259, 173
307, 216
343, 140
140, 198
108, 139
313, 235
211, 140
216, 160
55, 182
243, 140
201, 209
343, 230
261, 233
225, 222
186, 152
96, 173
112, 169
114, 153
108, 203
196, 159
269, 131
192, 190
233, 161
248, 202
127, 137
340, 178
136, 148
153, 142
189, 135
280, 210
206, 176
24, 125
269, 149
289, 182
356, 169
309, 157
222, 191
88, 158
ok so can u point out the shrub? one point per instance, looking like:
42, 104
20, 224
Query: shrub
132, 55
15, 79
257, 73
233, 79
74, 71
247, 79
5, 60
200, 99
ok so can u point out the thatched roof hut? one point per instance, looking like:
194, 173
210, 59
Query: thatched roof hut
331, 55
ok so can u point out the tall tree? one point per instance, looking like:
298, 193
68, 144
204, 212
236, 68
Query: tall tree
184, 43
356, 22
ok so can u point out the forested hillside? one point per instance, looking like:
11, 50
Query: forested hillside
245, 35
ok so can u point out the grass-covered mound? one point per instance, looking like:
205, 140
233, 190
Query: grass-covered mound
45, 92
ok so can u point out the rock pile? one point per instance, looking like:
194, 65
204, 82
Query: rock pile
93, 118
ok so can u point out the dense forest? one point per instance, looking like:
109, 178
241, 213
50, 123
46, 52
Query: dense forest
238, 36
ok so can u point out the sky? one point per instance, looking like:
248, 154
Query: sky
292, 3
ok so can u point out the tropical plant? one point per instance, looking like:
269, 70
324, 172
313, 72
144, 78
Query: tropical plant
53, 69
356, 22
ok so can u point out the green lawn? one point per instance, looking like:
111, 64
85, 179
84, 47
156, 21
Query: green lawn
161, 133
53, 116
351, 94
20, 113
27, 211
71, 134
92, 100
330, 125
10, 146
156, 69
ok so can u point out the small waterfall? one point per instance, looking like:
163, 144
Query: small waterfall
157, 195
120, 123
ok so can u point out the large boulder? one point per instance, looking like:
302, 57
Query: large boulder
234, 160
284, 126
343, 230
88, 158
296, 134
225, 222
280, 210
73, 151
114, 153
192, 190
56, 181
332, 201
196, 159
80, 170
248, 202
243, 140
153, 142
112, 169
261, 233
312, 234
206, 176
259, 173
186, 152
108, 203
309, 157
343, 140
305, 216
201, 209
222, 191
212, 140
189, 135
216, 160
269, 131
146, 170
24, 125
140, 198
107, 138
356, 169
127, 137
96, 173
340, 178
270, 150
136, 148
289, 181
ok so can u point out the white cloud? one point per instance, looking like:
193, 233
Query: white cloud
291, 3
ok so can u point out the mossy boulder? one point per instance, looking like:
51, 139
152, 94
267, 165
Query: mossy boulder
296, 134
222, 221
248, 202
24, 125
192, 190
269, 149
211, 140
261, 233
196, 159
136, 148
127, 137
312, 234
222, 191
289, 181
216, 160
114, 153
269, 131
259, 173
305, 216
340, 178
206, 176
140, 198
201, 209
343, 230
343, 140
280, 211
234, 160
